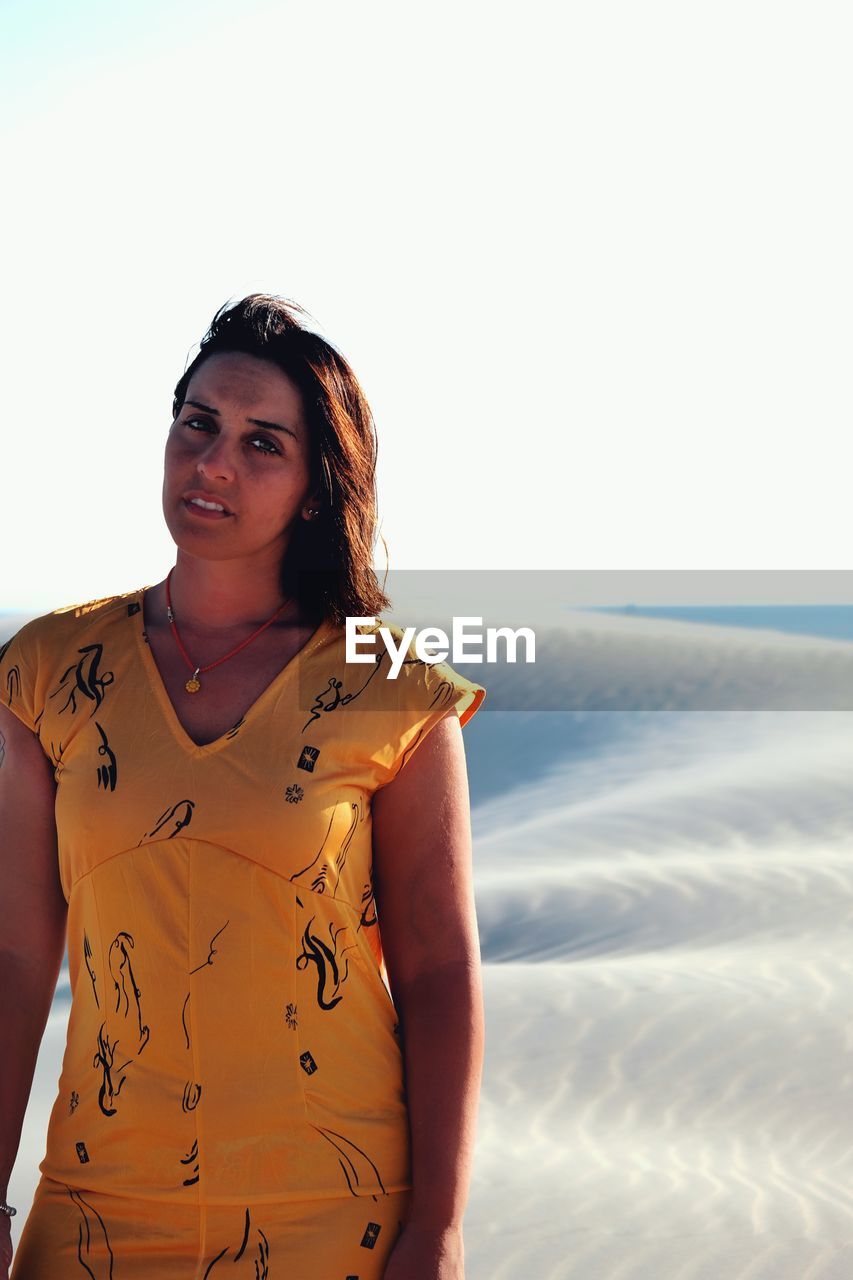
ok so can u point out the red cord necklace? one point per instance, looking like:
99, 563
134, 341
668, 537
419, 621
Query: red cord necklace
194, 684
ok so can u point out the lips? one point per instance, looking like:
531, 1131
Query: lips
207, 497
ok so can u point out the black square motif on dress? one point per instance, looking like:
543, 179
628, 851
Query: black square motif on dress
308, 758
371, 1234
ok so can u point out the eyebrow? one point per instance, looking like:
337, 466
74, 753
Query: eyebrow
257, 422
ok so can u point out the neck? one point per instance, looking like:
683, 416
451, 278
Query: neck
212, 597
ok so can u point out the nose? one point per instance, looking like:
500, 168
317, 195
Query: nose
215, 461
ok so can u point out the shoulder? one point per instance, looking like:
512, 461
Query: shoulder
38, 650
411, 693
426, 684
37, 637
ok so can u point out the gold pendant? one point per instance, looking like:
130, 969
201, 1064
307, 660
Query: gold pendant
193, 684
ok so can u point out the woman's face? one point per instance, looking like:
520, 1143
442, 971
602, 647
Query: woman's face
240, 439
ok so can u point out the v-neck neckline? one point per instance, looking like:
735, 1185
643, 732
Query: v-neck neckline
157, 685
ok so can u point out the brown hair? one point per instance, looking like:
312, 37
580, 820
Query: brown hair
328, 564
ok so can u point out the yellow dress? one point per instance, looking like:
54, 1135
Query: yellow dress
233, 1073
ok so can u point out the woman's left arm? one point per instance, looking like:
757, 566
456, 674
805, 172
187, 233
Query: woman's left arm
423, 883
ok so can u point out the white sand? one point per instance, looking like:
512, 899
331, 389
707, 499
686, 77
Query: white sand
668, 964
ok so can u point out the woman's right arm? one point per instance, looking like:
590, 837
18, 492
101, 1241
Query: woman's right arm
33, 919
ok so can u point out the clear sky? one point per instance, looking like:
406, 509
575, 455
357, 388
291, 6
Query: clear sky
592, 263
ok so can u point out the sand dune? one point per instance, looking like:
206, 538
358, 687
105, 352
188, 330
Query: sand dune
666, 930
630, 663
666, 914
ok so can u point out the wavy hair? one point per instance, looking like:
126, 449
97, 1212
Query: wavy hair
328, 563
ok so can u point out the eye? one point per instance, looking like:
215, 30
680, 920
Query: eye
271, 451
266, 440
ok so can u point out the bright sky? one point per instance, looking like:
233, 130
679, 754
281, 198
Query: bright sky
591, 262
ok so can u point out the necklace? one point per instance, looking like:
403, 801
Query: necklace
194, 684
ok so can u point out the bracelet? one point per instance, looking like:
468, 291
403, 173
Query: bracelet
7, 1208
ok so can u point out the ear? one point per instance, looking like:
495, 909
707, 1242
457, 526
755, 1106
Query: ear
312, 508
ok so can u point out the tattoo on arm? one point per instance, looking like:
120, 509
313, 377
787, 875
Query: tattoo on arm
2, 748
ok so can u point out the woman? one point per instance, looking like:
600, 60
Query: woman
233, 821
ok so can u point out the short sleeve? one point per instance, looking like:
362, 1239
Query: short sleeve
19, 675
421, 695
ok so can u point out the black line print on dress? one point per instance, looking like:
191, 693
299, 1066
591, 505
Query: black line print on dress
91, 1252
56, 756
235, 729
192, 1095
13, 677
326, 958
13, 681
245, 1240
350, 1157
368, 903
13, 684
261, 1265
261, 1271
86, 680
119, 945
184, 1018
356, 817
107, 773
211, 952
331, 698
191, 1158
87, 951
444, 693
181, 819
329, 871
104, 1058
